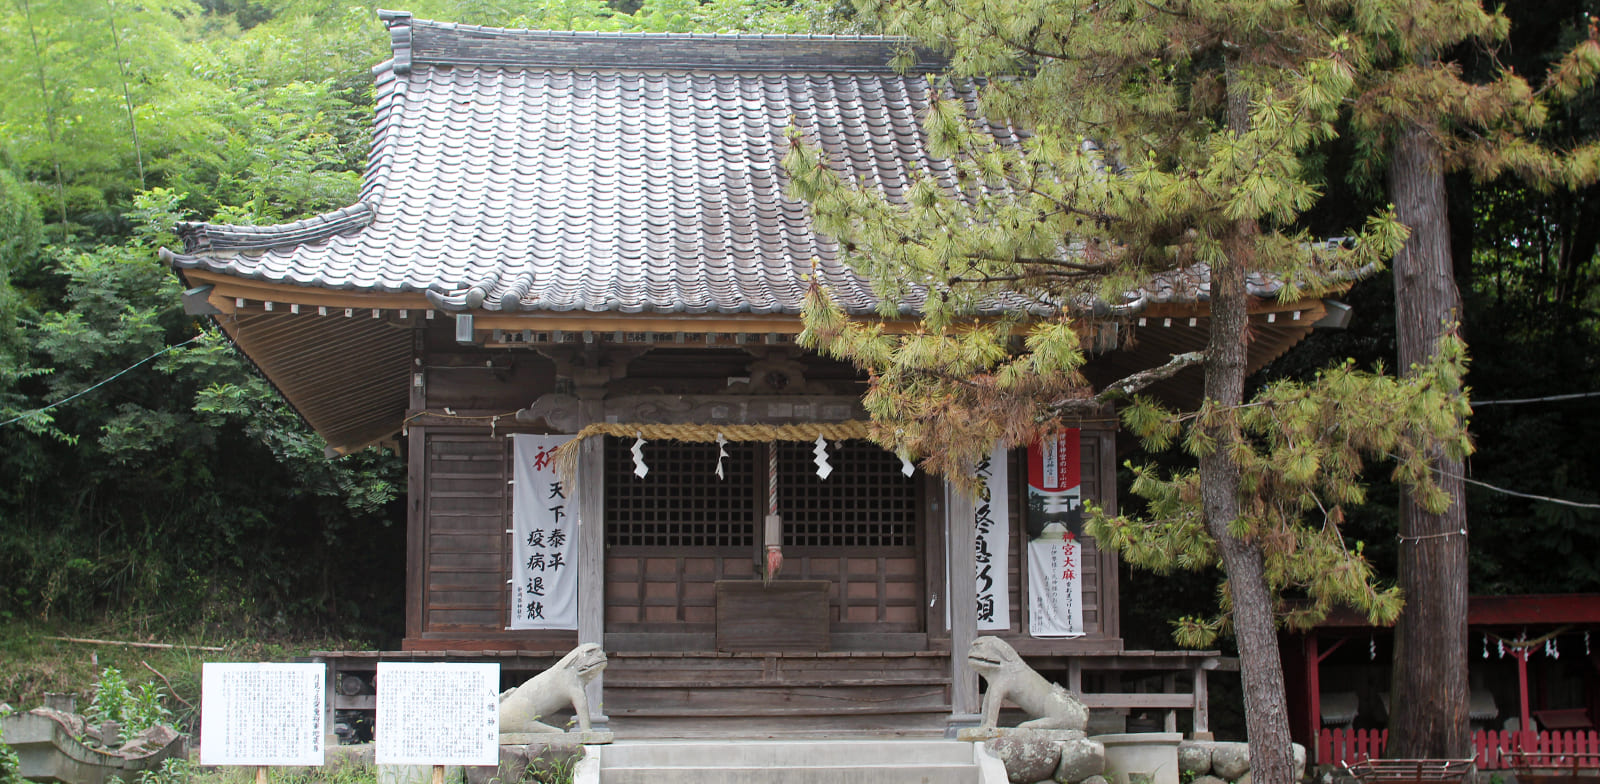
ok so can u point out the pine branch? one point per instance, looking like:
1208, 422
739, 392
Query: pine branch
1128, 385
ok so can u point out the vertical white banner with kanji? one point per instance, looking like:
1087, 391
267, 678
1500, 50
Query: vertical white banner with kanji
1055, 523
991, 545
1055, 567
544, 571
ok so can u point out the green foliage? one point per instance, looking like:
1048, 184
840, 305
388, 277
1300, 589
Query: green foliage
1159, 137
550, 768
1126, 171
10, 766
154, 458
134, 710
172, 771
147, 469
1305, 450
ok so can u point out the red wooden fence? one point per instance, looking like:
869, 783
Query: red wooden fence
1347, 747
1495, 750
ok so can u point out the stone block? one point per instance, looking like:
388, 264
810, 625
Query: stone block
513, 763
1029, 755
1194, 758
981, 734
1081, 759
554, 740
1141, 757
1229, 761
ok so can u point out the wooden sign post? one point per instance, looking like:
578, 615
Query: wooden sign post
261, 715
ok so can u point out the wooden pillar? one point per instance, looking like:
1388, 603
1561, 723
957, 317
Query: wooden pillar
416, 495
1169, 685
962, 561
1314, 692
1202, 703
591, 546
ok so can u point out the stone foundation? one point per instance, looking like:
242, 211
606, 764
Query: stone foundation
1067, 757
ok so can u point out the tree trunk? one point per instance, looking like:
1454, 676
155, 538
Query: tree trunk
1428, 712
1254, 627
1266, 708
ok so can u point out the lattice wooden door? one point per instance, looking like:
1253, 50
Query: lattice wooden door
672, 534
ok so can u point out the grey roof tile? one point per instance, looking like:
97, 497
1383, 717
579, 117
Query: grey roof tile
527, 170
597, 172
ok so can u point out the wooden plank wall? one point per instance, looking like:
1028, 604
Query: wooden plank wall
662, 590
467, 512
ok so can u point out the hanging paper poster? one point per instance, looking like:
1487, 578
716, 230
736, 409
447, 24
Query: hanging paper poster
261, 714
992, 543
991, 531
437, 714
544, 574
1055, 528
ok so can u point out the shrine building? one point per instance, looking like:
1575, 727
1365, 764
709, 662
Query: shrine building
569, 292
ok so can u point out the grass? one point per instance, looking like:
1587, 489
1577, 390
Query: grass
558, 770
34, 664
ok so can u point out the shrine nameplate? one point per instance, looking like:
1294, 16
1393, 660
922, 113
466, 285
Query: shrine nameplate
787, 615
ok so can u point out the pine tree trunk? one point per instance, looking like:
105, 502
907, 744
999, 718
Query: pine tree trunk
1266, 709
1254, 627
1428, 711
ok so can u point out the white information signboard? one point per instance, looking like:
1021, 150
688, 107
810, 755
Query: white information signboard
261, 714
438, 714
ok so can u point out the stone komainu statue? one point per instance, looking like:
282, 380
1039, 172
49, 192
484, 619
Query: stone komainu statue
1050, 706
552, 691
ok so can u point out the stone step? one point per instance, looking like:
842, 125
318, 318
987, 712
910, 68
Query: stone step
904, 725
790, 762
830, 752
848, 774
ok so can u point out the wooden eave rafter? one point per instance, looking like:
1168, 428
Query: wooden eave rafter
343, 358
232, 295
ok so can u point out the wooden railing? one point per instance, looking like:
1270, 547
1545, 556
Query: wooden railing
1493, 750
1551, 749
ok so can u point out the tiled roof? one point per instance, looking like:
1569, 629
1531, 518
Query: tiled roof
543, 171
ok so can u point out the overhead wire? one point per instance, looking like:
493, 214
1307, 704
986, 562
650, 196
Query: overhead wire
103, 382
1549, 399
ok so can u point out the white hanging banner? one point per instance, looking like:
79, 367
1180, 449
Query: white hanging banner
1055, 523
544, 572
1055, 568
992, 542
991, 545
